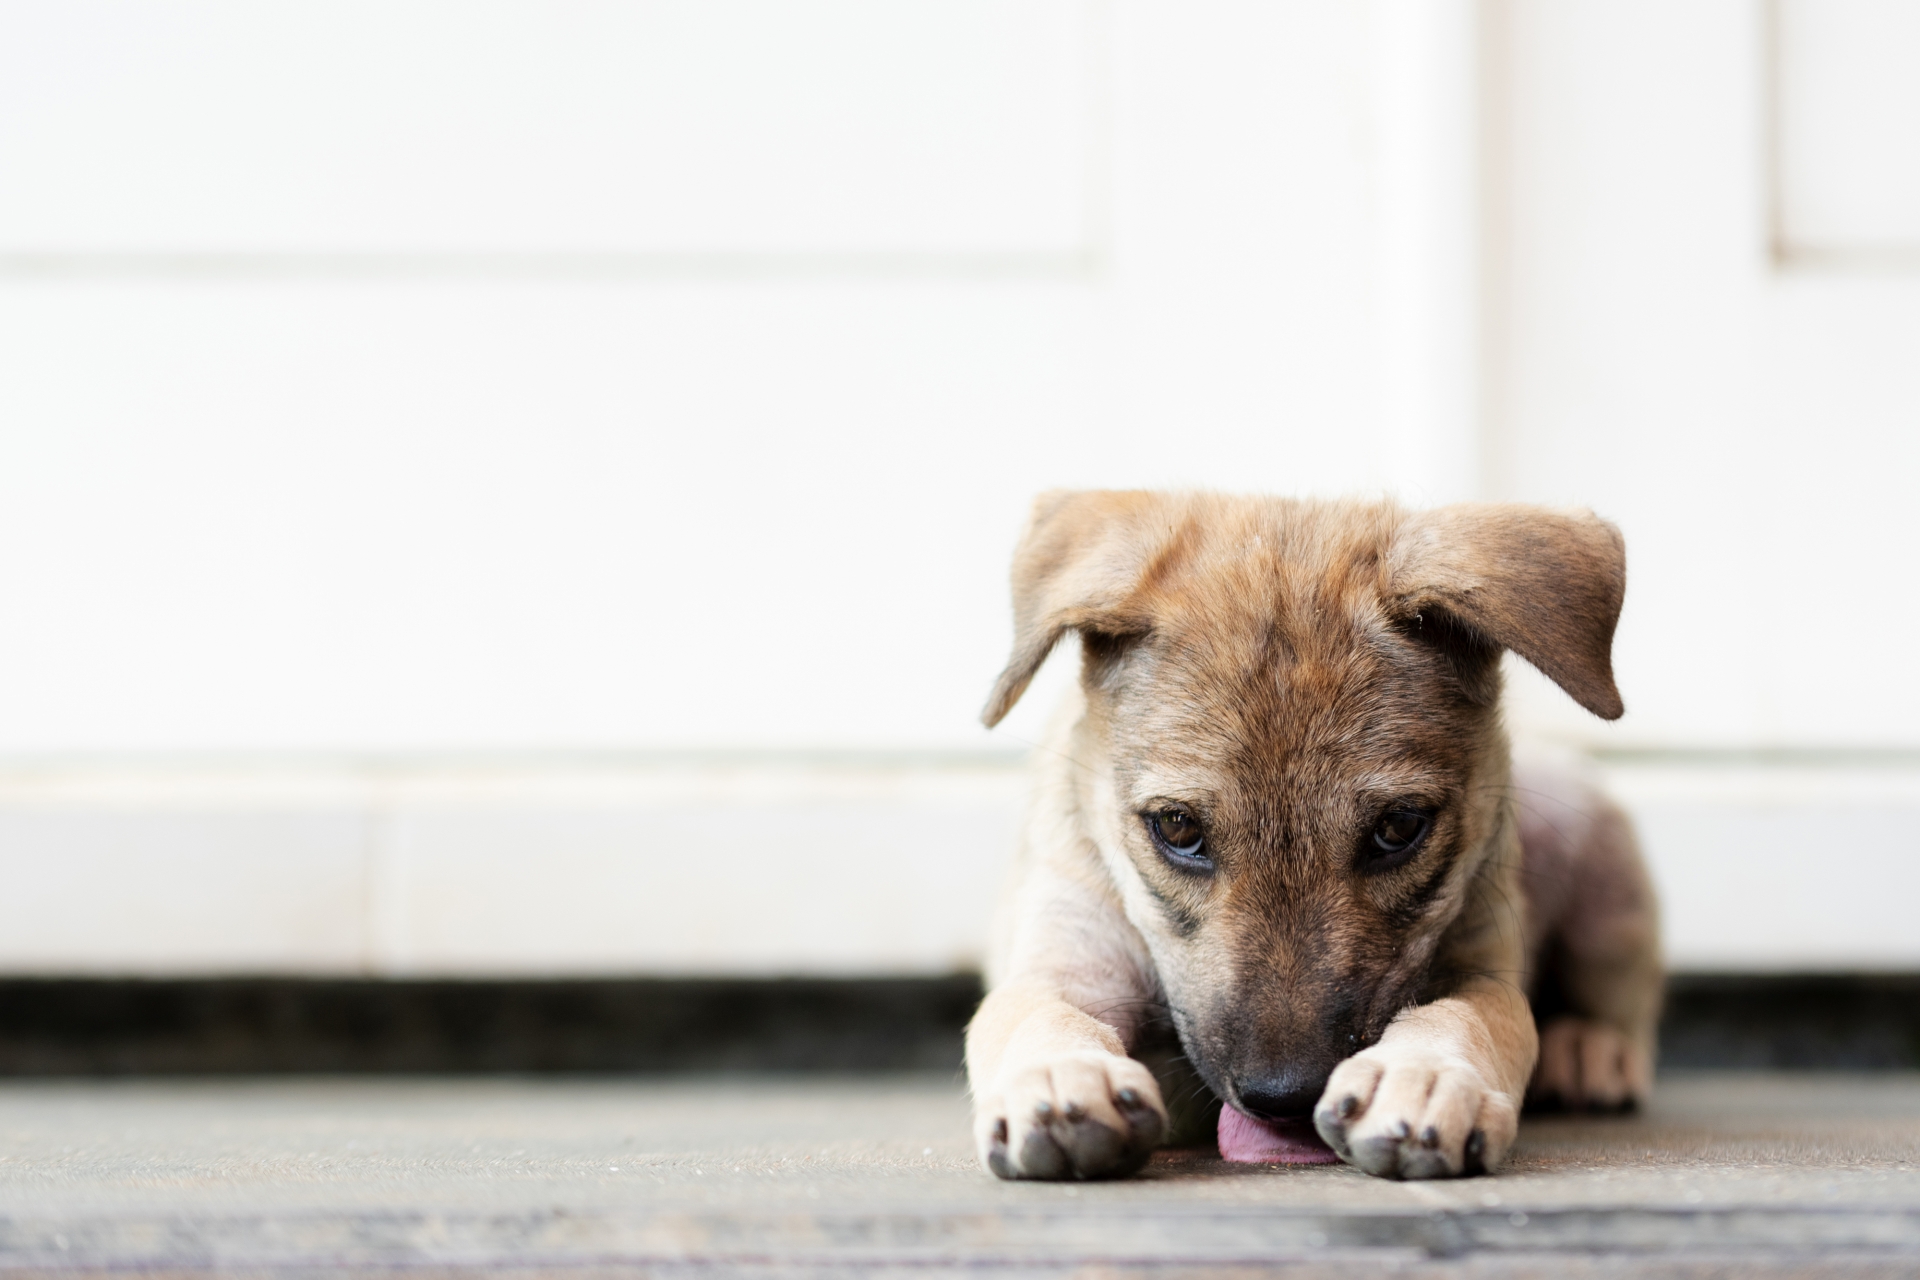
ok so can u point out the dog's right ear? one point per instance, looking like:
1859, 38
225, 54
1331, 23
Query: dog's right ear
1079, 566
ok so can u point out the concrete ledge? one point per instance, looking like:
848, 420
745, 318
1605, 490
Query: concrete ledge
1054, 1239
1723, 1177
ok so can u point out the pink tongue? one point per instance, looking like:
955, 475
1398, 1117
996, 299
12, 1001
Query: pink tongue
1251, 1141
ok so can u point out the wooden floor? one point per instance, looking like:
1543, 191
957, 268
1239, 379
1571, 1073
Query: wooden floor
1728, 1175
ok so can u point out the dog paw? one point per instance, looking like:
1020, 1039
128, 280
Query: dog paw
1086, 1115
1401, 1113
1589, 1066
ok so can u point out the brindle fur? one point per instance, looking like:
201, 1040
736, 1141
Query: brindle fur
1287, 670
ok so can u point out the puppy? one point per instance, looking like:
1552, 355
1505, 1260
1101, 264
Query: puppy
1277, 821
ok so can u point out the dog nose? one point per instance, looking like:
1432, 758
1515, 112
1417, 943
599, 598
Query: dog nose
1285, 1095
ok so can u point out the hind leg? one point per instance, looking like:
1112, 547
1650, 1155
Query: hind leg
1595, 939
1586, 1065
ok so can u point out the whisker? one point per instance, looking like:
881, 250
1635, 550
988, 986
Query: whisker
1052, 751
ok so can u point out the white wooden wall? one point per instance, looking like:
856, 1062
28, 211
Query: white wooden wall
525, 487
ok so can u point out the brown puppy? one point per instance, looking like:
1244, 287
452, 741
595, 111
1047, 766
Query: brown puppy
1277, 820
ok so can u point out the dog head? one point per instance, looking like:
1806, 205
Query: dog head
1295, 765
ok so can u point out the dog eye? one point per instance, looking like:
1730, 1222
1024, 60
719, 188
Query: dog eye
1178, 832
1395, 837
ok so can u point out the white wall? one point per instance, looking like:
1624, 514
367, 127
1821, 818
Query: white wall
1750, 417
415, 408
399, 376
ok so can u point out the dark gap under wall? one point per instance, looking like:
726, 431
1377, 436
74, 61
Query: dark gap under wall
1840, 1022
60, 1026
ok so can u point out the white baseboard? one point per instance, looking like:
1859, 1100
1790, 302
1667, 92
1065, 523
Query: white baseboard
1791, 861
507, 867
760, 865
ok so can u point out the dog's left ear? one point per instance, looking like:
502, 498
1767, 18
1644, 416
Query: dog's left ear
1545, 584
1080, 566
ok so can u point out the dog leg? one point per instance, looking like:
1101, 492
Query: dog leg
1589, 1066
1599, 942
1055, 1094
1439, 1094
1063, 1099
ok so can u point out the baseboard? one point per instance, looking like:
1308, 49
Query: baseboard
519, 868
512, 868
93, 1026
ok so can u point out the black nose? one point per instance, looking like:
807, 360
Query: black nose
1285, 1095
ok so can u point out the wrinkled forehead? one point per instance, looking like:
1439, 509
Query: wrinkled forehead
1264, 664
1302, 598
1298, 574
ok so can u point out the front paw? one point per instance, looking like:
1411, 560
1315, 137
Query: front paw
1409, 1113
1083, 1115
1589, 1066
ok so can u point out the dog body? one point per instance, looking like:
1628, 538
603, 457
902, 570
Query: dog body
1278, 821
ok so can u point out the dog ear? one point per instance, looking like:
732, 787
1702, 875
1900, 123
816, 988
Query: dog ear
1079, 566
1545, 584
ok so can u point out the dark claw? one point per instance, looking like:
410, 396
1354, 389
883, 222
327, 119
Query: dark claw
997, 1158
1379, 1155
1094, 1150
1333, 1133
1429, 1137
1349, 1107
1075, 1111
1424, 1162
1146, 1126
1128, 1097
1400, 1130
1476, 1152
1041, 1156
1132, 1161
1043, 1109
